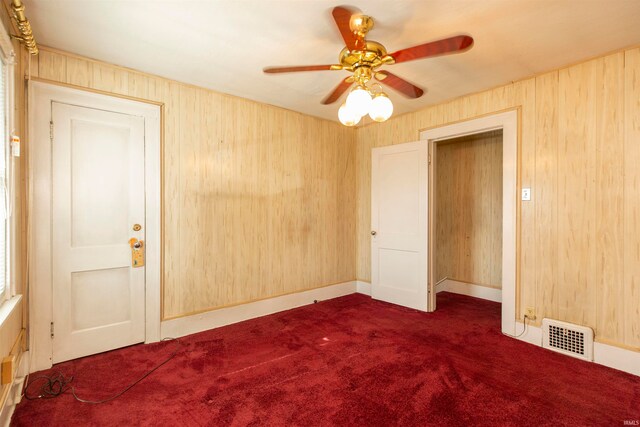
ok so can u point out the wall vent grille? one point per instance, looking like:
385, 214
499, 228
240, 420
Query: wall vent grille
568, 338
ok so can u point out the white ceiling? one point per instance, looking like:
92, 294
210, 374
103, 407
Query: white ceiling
224, 44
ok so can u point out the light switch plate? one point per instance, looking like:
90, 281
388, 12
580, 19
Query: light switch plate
526, 194
15, 146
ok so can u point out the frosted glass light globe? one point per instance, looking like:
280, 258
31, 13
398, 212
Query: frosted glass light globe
359, 101
381, 108
347, 116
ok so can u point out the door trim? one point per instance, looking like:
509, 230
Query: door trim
41, 95
508, 122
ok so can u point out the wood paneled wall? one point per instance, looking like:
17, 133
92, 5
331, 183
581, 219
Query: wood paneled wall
579, 236
258, 201
468, 217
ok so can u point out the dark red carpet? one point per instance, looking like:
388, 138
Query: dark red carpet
350, 361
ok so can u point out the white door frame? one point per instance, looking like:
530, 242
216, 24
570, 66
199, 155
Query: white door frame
41, 95
508, 122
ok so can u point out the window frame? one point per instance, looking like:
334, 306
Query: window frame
8, 58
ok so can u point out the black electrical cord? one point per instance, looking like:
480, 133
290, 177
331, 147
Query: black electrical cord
52, 386
57, 384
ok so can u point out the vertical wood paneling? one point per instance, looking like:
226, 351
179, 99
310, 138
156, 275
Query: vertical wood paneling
496, 211
275, 179
211, 198
52, 66
121, 81
610, 197
346, 200
524, 93
483, 220
444, 222
576, 193
469, 209
138, 85
366, 140
545, 195
188, 240
632, 198
465, 223
79, 72
103, 78
172, 296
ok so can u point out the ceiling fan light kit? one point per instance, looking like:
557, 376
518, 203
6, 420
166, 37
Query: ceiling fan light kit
348, 116
381, 108
359, 100
362, 101
363, 58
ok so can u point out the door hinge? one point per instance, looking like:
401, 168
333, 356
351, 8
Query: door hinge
429, 154
51, 329
51, 130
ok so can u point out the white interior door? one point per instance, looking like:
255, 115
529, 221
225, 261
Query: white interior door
98, 195
399, 224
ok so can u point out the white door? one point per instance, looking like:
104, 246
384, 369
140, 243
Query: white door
98, 197
399, 224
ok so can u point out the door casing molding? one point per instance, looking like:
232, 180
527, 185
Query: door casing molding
41, 95
508, 122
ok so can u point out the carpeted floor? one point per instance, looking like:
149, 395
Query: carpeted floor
350, 361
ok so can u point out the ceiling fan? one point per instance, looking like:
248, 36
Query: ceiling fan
364, 58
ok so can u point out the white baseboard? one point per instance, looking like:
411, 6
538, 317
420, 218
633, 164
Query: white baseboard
617, 358
363, 287
463, 288
15, 393
532, 335
603, 354
225, 316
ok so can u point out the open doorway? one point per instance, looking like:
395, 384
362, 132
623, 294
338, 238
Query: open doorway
507, 123
467, 215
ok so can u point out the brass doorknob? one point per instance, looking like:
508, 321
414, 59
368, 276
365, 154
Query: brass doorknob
373, 233
137, 227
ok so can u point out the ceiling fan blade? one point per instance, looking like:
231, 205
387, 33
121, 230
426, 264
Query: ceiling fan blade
342, 16
401, 85
451, 45
338, 91
270, 70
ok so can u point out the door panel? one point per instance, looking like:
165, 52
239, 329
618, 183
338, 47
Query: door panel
398, 188
399, 224
90, 289
98, 194
99, 154
397, 269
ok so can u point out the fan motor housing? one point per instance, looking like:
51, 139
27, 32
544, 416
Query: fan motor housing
370, 56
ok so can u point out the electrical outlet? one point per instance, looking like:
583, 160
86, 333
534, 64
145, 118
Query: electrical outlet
530, 313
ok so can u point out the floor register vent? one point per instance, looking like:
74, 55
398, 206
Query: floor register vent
567, 338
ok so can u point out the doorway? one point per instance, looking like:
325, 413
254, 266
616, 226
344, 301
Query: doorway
95, 263
507, 123
467, 215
